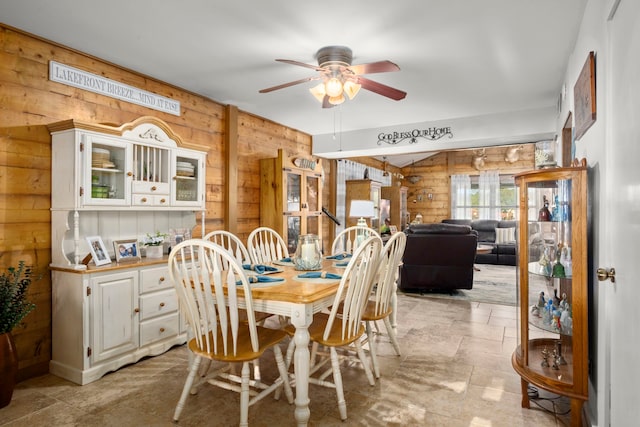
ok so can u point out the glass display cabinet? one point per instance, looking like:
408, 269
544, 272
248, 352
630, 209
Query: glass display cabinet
552, 335
398, 211
291, 197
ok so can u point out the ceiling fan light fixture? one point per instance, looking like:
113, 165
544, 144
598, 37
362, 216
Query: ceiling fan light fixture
340, 78
318, 92
336, 100
333, 87
351, 88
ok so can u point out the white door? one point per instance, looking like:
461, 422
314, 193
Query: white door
621, 234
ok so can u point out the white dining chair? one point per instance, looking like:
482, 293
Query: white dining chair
265, 245
231, 243
238, 250
208, 281
342, 327
382, 301
347, 240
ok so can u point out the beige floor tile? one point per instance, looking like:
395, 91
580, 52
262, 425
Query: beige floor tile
455, 370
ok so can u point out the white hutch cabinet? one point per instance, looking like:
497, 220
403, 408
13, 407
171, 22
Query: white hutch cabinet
117, 183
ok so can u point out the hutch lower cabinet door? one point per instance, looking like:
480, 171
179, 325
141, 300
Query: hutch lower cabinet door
103, 320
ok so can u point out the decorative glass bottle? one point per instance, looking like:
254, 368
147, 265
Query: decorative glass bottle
558, 268
544, 214
565, 259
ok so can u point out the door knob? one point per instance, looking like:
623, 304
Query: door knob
603, 274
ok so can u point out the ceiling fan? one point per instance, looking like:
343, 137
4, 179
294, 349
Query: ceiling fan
339, 77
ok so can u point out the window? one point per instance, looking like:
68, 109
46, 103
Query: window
504, 206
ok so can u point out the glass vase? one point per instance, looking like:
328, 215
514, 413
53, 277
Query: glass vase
308, 255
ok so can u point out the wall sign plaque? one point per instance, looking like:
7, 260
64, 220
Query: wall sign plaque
430, 134
75, 77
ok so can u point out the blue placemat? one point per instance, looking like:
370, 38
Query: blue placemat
261, 279
339, 256
319, 275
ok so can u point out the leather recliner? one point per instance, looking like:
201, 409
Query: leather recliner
438, 257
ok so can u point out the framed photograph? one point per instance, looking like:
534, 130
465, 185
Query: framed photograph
126, 250
393, 229
178, 235
98, 250
584, 97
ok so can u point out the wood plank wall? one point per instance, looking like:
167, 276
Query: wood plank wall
436, 174
29, 101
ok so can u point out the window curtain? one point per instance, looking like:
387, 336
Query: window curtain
460, 197
489, 195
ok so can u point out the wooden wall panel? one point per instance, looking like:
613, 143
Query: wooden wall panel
29, 101
259, 138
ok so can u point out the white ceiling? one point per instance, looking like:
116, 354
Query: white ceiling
458, 58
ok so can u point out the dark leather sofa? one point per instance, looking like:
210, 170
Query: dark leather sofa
438, 257
501, 253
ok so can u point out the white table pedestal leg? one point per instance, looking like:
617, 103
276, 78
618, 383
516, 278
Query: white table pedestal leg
301, 321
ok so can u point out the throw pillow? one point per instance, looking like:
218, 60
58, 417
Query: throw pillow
505, 235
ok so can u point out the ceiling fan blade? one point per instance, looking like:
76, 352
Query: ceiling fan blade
374, 67
381, 89
282, 86
301, 64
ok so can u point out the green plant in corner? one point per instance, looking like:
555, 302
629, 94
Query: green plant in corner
13, 293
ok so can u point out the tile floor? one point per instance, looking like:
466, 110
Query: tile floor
455, 370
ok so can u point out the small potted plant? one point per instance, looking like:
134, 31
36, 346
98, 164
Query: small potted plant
154, 244
13, 308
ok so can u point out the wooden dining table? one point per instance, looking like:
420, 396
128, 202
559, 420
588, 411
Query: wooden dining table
298, 299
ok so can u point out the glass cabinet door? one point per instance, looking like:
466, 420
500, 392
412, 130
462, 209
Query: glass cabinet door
312, 195
294, 230
107, 162
303, 206
375, 197
293, 182
548, 335
188, 178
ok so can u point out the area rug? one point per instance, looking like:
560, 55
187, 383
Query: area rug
492, 284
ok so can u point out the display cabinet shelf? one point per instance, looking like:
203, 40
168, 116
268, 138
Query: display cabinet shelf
536, 268
552, 334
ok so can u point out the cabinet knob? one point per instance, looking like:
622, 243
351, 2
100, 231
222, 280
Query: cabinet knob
129, 173
154, 188
161, 330
143, 200
161, 304
163, 200
161, 279
136, 310
603, 274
